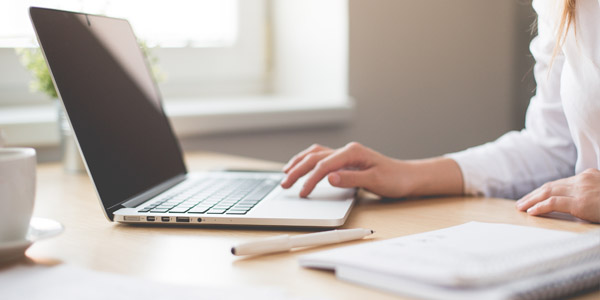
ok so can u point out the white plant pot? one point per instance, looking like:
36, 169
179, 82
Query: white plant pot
71, 158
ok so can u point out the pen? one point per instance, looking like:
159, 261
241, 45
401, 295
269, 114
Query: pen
286, 242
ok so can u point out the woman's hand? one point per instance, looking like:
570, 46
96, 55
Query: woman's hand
578, 195
351, 166
355, 165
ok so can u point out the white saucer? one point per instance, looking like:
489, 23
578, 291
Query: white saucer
39, 228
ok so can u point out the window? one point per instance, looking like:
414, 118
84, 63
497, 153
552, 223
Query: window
278, 64
203, 23
204, 47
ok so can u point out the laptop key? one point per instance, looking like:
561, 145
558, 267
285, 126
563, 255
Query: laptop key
186, 206
215, 211
179, 209
239, 208
165, 207
198, 210
159, 210
247, 202
222, 206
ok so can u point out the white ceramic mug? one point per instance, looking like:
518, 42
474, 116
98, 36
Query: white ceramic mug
17, 192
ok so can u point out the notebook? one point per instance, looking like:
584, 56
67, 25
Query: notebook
129, 148
472, 261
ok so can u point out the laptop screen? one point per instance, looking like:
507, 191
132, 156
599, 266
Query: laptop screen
112, 101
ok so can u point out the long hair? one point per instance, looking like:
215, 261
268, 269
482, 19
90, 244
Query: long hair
567, 19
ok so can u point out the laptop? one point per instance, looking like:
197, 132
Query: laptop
129, 148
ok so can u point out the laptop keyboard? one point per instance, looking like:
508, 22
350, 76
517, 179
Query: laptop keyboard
234, 196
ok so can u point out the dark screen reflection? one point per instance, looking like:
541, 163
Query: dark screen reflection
112, 102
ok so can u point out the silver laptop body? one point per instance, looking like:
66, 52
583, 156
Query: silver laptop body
130, 151
327, 206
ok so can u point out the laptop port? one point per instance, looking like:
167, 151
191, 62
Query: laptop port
182, 219
150, 219
165, 219
199, 220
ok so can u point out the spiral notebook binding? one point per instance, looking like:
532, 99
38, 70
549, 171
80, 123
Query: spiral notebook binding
582, 278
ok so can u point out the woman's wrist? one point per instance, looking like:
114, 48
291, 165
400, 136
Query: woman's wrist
434, 176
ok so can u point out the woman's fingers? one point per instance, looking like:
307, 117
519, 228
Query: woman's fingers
353, 165
303, 167
554, 203
352, 155
526, 198
556, 188
300, 156
539, 194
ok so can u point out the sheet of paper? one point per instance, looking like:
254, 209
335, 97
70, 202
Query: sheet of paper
73, 283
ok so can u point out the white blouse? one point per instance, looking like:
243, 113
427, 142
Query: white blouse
562, 127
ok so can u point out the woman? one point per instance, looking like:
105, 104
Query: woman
551, 165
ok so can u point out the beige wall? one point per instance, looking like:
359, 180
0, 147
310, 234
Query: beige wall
428, 77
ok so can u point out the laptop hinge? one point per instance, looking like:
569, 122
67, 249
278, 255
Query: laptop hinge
149, 194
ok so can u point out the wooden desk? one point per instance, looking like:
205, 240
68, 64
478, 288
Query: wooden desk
201, 255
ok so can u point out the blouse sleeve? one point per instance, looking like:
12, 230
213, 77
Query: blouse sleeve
521, 161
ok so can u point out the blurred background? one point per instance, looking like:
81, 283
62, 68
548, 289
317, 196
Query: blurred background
410, 79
